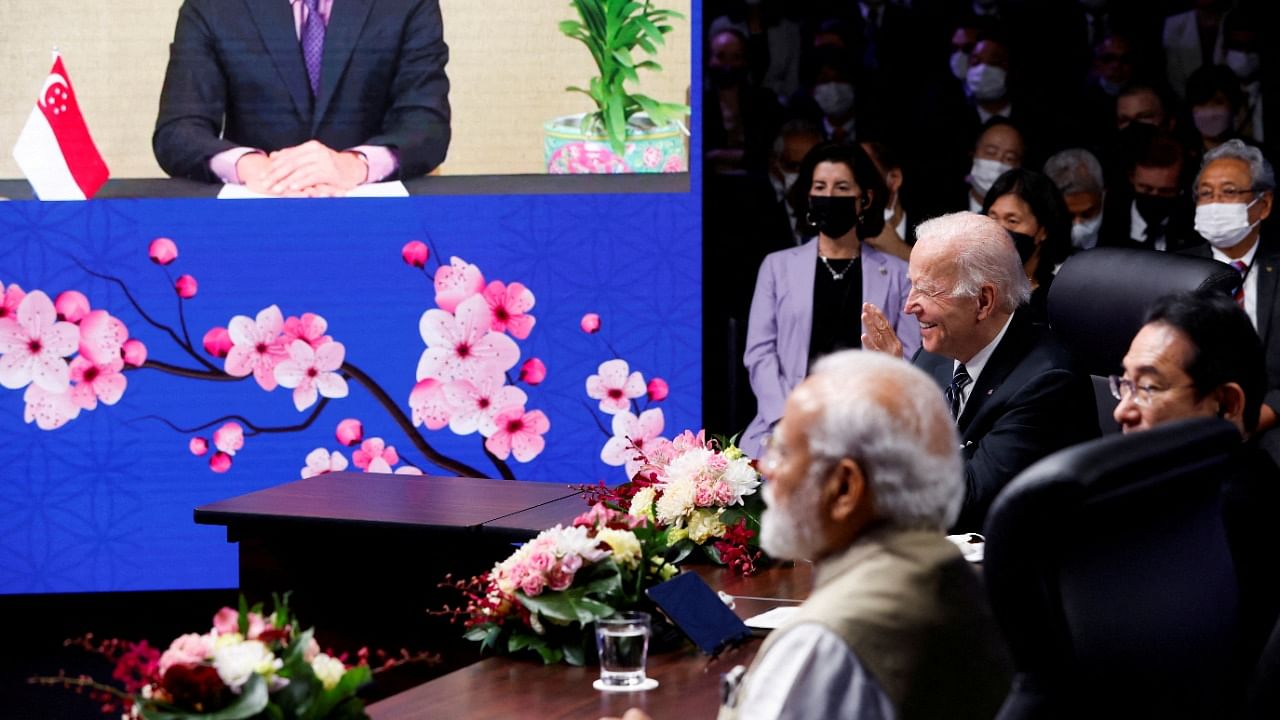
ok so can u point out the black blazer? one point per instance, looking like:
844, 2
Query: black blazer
1028, 402
236, 78
1266, 263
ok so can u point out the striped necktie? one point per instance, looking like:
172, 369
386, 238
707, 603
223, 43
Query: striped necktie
1244, 272
955, 391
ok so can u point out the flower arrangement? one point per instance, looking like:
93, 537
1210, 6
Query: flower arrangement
702, 493
545, 595
248, 665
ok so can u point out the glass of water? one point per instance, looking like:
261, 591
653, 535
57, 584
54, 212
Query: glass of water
623, 643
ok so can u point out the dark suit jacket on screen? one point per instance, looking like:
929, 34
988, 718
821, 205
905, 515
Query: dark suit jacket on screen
236, 77
1028, 402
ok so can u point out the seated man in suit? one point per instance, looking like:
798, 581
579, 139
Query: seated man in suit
305, 96
1011, 386
863, 476
1197, 355
1150, 209
1233, 195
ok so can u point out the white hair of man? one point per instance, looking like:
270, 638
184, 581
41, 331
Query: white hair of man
1261, 174
1075, 170
982, 252
889, 417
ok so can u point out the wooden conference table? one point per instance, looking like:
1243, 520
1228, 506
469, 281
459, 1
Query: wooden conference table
689, 683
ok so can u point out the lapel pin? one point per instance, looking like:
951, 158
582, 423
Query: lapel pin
886, 272
990, 391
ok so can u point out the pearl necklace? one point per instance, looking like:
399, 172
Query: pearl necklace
837, 276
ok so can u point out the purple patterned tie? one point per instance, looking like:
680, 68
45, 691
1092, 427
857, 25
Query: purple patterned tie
313, 43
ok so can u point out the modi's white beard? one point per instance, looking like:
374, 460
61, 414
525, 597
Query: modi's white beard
792, 531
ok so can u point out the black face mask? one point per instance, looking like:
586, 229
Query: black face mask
1025, 244
1153, 208
834, 215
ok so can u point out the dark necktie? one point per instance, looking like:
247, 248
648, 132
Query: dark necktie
313, 43
1244, 272
954, 390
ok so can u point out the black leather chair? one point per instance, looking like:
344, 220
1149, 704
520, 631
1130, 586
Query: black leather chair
1109, 572
1099, 297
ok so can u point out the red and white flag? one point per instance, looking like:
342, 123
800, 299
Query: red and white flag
55, 151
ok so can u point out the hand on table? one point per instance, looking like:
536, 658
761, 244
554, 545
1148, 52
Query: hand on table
313, 170
632, 714
879, 335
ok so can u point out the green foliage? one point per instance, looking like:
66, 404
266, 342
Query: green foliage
251, 701
613, 30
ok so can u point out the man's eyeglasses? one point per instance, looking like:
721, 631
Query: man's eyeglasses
1226, 195
1143, 395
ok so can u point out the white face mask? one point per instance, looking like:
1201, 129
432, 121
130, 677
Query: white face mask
1224, 225
1244, 64
1084, 235
985, 82
984, 173
835, 98
959, 64
1212, 121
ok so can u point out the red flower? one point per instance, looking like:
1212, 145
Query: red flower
195, 687
137, 666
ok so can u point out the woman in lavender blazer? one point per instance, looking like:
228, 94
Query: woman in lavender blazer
844, 198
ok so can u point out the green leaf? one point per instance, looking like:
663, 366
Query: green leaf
651, 31
550, 655
251, 701
351, 681
243, 617
615, 123
570, 605
573, 29
574, 654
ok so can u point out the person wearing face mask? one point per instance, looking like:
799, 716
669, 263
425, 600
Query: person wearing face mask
795, 140
1217, 104
1234, 193
1028, 205
987, 79
1149, 207
832, 97
740, 119
1078, 176
897, 236
999, 149
808, 300
1243, 39
1193, 39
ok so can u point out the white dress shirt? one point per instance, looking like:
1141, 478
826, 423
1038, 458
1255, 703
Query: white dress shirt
976, 364
1138, 228
1250, 279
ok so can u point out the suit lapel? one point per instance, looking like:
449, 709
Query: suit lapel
1267, 266
1003, 360
346, 21
274, 19
800, 285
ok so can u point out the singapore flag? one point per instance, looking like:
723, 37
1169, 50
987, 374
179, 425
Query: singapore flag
54, 150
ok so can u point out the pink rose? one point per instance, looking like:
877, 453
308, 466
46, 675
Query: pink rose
532, 584
187, 649
186, 287
590, 323
226, 621
71, 305
541, 561
533, 372
658, 389
217, 342
199, 446
134, 352
571, 563
415, 253
162, 251
559, 579
350, 432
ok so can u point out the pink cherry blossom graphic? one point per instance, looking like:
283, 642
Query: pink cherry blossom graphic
96, 381
590, 323
220, 462
102, 337
198, 446
463, 347
256, 346
321, 461
33, 344
229, 438
310, 327
415, 253
162, 251
217, 342
134, 352
71, 305
10, 298
533, 371
614, 387
518, 433
350, 431
375, 455
628, 430
310, 371
429, 404
48, 410
456, 282
186, 287
508, 305
476, 405
658, 389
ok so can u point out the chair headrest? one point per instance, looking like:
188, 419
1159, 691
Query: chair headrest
1098, 298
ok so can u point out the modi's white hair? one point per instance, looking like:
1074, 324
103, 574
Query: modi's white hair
982, 252
890, 417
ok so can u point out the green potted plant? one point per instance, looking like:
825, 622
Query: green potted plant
627, 132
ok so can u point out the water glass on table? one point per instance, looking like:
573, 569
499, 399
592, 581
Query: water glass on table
622, 641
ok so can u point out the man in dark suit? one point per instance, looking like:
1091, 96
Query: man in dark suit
1233, 197
304, 96
1011, 386
1149, 208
